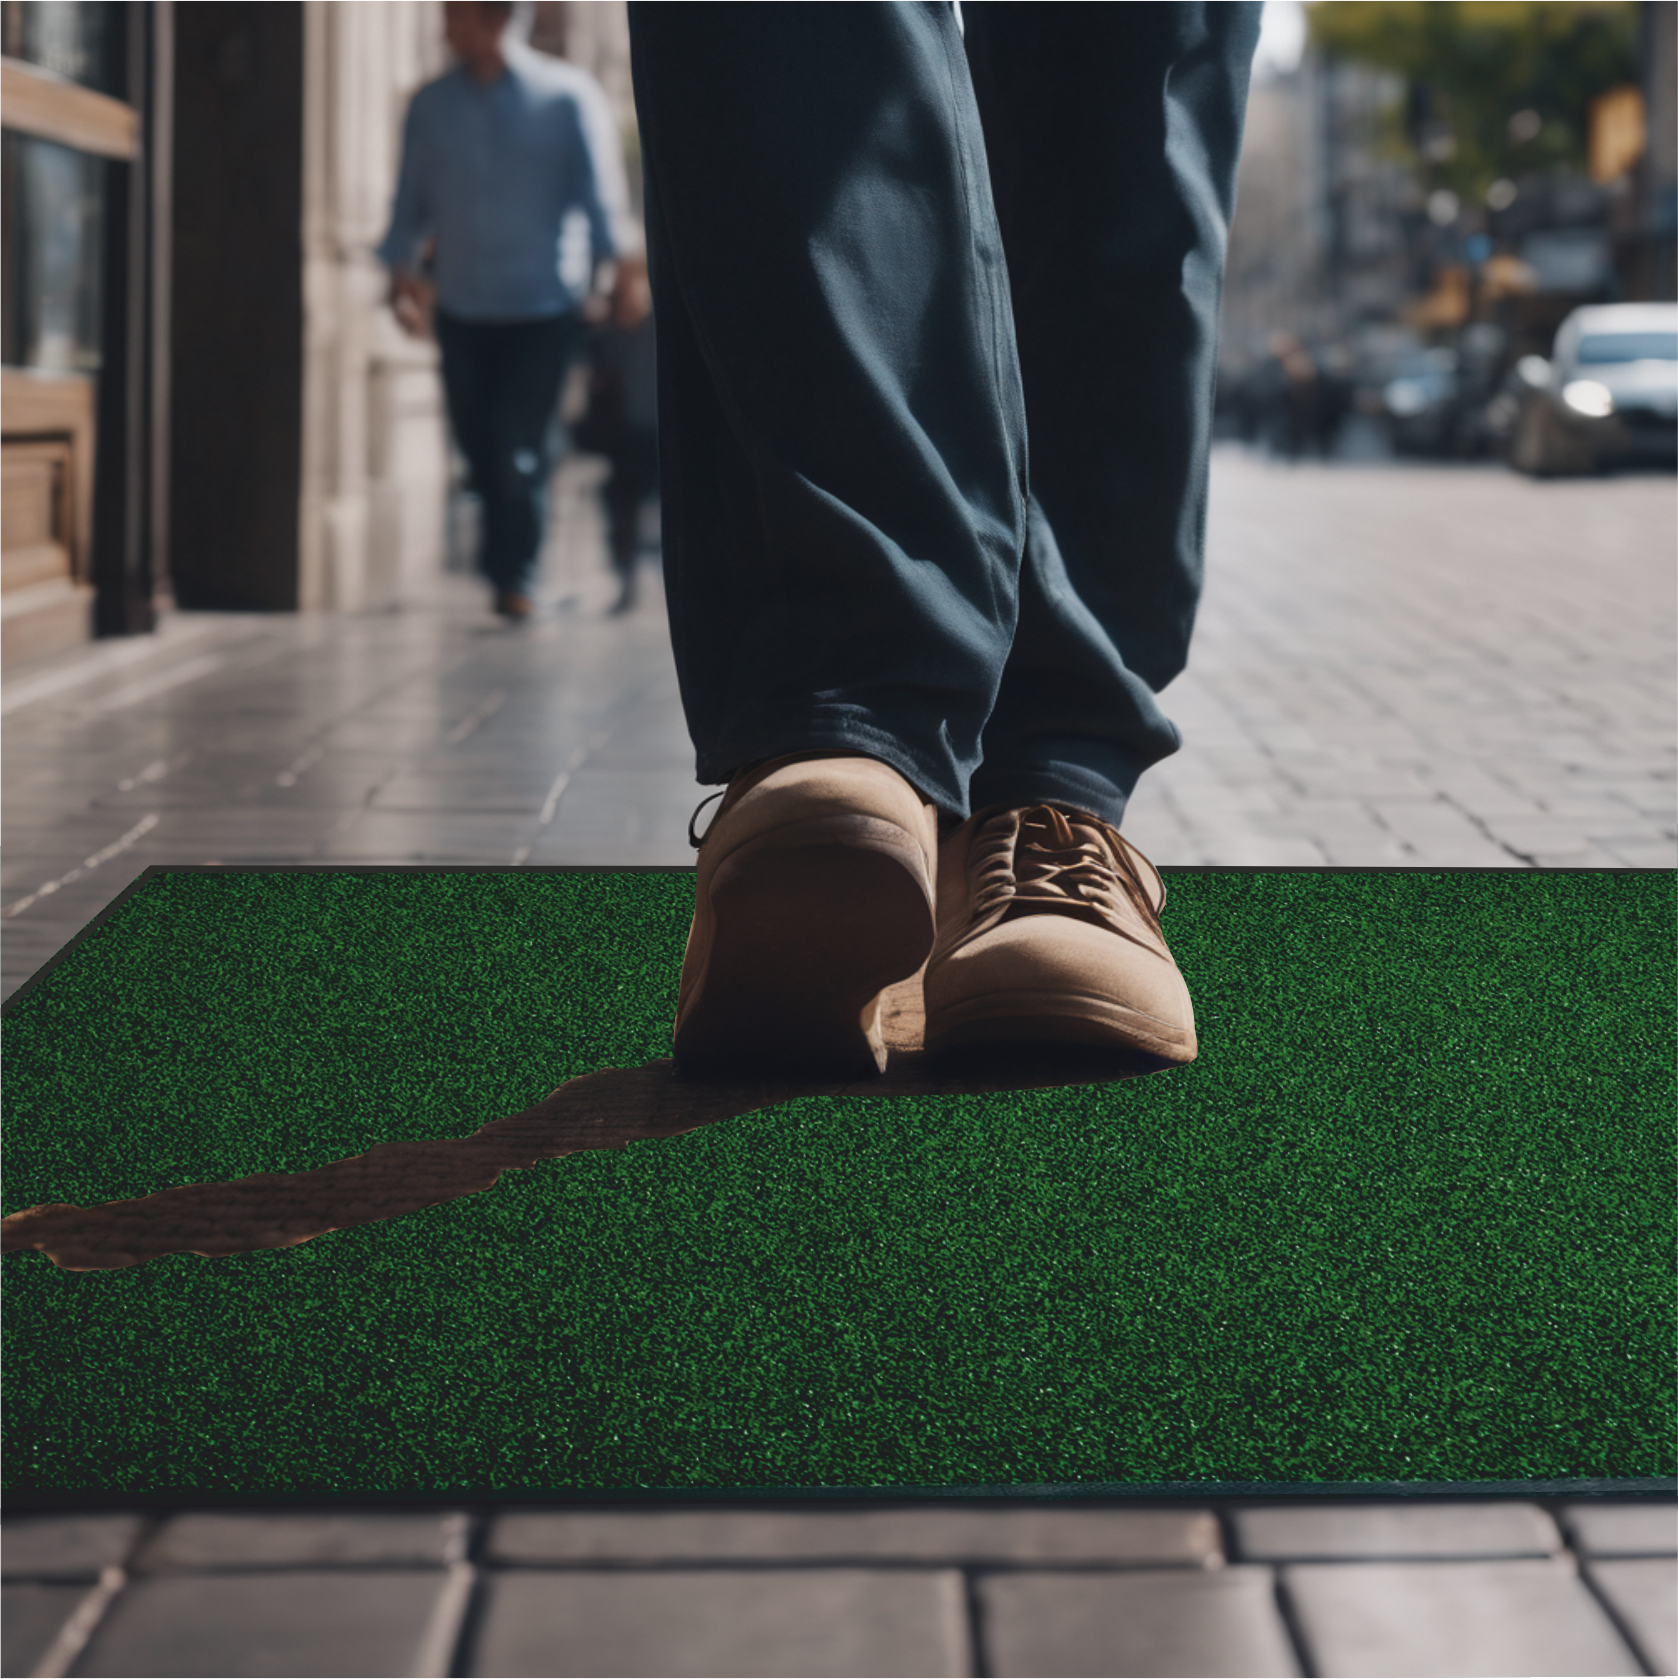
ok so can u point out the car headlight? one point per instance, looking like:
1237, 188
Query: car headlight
1406, 398
1588, 397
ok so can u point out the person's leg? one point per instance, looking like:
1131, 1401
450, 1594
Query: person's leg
621, 495
841, 430
1112, 134
530, 363
648, 482
467, 362
640, 462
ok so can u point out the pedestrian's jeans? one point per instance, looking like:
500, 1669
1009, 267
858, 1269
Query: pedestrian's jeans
634, 477
502, 381
883, 257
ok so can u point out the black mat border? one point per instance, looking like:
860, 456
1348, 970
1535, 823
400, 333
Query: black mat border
1656, 1488
154, 871
1145, 1494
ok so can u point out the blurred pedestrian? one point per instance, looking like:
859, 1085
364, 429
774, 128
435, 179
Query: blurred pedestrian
494, 159
884, 253
1336, 393
621, 421
1297, 389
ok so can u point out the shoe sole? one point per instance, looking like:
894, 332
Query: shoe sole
810, 923
1027, 1019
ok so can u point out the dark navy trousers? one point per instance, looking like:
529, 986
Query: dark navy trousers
937, 325
502, 383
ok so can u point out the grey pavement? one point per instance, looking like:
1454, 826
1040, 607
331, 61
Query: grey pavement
1394, 665
1226, 1587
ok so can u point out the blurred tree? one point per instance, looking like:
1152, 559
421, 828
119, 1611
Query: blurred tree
1497, 88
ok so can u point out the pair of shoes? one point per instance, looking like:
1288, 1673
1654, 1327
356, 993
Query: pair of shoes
512, 605
815, 893
821, 882
626, 599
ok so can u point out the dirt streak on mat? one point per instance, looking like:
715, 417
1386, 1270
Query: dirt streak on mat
598, 1110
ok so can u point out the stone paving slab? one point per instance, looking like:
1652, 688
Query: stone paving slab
1481, 789
1195, 1622
1623, 1530
31, 1612
1432, 629
1057, 1589
516, 787
66, 1547
212, 1540
1419, 1619
1306, 1533
1639, 854
1438, 829
1643, 1592
843, 1621
944, 1535
335, 1623
101, 665
1534, 835
1582, 857
451, 836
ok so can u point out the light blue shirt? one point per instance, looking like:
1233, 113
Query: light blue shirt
493, 173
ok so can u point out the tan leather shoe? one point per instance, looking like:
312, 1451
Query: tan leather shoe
1048, 932
816, 890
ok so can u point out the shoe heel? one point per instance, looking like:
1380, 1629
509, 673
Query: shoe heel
811, 923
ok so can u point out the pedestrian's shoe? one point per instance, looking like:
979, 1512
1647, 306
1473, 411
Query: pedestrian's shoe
1048, 933
513, 606
816, 891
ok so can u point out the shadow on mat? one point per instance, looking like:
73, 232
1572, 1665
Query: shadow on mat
598, 1110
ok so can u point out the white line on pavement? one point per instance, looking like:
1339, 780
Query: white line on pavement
154, 771
303, 761
60, 1655
479, 714
437, 1646
132, 693
141, 828
563, 780
102, 658
551, 803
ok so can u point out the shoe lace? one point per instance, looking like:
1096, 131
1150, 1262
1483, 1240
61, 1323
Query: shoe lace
697, 840
1038, 858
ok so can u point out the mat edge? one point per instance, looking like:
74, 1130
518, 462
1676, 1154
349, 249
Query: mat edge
1647, 1488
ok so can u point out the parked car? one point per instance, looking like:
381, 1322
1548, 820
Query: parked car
1607, 396
1435, 397
1421, 400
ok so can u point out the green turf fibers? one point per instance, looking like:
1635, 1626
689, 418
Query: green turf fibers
1405, 1220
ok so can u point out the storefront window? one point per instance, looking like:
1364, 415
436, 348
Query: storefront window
74, 41
53, 197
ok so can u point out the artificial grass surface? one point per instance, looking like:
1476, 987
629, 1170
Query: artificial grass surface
1406, 1219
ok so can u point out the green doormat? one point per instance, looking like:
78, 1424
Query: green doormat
1405, 1221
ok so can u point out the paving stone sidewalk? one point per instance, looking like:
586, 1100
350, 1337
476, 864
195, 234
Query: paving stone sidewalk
1415, 665
1233, 1587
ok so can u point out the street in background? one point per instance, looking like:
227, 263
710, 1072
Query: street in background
1427, 195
